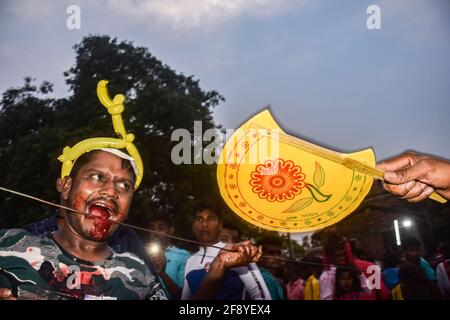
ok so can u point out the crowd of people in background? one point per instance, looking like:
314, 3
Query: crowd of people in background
226, 265
334, 269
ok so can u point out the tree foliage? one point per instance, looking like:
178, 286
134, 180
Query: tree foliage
34, 129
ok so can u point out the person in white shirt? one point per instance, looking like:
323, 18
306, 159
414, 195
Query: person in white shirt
238, 283
335, 255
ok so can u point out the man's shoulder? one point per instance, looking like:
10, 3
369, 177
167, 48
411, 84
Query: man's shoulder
204, 256
182, 253
9, 237
424, 262
266, 274
328, 274
128, 262
191, 258
13, 232
125, 239
194, 260
130, 258
136, 275
43, 226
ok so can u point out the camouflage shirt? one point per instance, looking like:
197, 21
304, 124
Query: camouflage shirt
36, 267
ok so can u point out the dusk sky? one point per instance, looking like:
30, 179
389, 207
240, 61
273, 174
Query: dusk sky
328, 78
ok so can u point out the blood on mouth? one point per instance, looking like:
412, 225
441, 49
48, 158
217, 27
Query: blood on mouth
101, 216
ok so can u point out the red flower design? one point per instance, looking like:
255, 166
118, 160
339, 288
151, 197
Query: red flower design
277, 180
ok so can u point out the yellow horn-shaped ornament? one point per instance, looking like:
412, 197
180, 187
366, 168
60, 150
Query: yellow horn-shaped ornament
115, 107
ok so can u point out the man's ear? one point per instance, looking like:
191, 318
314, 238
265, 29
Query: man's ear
64, 186
59, 184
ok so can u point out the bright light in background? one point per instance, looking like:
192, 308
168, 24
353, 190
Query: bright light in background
153, 248
397, 232
407, 223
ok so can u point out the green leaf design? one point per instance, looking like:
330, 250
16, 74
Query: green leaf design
299, 205
316, 194
319, 176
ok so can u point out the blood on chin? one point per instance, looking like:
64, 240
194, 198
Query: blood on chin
102, 224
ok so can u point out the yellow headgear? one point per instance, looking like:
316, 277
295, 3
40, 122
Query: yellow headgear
115, 108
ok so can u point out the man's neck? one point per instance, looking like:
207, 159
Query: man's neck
205, 245
81, 247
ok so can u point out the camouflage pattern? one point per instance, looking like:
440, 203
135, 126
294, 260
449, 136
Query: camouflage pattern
36, 266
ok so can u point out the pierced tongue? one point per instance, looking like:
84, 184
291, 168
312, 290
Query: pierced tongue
99, 211
101, 226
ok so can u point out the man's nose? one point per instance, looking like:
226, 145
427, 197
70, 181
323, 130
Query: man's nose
109, 189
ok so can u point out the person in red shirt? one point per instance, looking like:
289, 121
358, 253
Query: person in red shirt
338, 252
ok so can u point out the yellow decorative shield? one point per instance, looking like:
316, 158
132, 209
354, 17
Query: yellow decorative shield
282, 183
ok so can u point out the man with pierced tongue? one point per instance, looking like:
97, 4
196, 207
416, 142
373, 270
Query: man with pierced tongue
101, 224
75, 261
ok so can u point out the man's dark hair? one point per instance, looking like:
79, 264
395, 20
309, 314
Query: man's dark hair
231, 226
160, 216
409, 242
204, 205
87, 157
